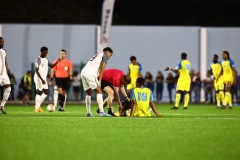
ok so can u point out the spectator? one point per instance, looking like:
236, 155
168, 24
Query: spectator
208, 88
27, 87
149, 81
234, 90
76, 83
170, 80
197, 87
159, 88
192, 74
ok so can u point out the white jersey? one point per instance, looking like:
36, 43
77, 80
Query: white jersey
92, 66
3, 55
42, 65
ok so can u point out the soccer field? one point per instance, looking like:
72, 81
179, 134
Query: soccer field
201, 133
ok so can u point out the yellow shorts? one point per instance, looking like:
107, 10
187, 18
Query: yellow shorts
219, 85
183, 87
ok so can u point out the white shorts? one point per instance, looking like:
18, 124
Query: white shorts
39, 85
89, 81
4, 79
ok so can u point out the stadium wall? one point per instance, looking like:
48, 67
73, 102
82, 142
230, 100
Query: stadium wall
154, 46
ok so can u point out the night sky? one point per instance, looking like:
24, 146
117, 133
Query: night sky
126, 12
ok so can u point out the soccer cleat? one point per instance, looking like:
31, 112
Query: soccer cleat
111, 112
218, 107
98, 110
103, 114
89, 115
184, 107
39, 110
223, 107
230, 107
2, 109
61, 109
174, 107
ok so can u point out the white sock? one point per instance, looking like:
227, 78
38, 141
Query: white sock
5, 96
37, 101
88, 103
100, 102
55, 97
43, 96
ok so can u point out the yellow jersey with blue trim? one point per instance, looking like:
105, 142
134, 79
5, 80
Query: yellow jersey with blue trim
143, 96
135, 70
184, 72
215, 69
227, 70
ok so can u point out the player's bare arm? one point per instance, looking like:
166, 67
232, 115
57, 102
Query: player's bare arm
116, 93
133, 108
153, 106
39, 75
122, 89
234, 75
6, 64
71, 73
101, 69
171, 69
51, 76
52, 65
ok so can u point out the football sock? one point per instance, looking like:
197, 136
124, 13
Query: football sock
221, 95
100, 102
63, 101
6, 95
226, 98
55, 97
186, 100
60, 100
218, 99
37, 101
177, 99
230, 100
88, 103
42, 97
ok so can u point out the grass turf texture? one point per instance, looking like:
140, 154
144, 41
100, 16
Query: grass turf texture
201, 132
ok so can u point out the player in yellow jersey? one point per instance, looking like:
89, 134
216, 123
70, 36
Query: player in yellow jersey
215, 69
184, 80
142, 100
135, 71
229, 78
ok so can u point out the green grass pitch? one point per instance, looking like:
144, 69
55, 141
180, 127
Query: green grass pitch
202, 132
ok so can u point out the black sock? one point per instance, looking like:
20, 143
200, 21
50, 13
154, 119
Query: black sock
63, 100
60, 100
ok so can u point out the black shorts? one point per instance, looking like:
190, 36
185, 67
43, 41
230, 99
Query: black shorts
76, 88
105, 84
63, 83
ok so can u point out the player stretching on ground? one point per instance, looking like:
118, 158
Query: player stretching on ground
184, 80
4, 79
117, 79
229, 78
215, 69
142, 98
40, 78
91, 76
63, 72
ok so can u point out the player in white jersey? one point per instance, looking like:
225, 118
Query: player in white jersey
40, 78
4, 79
91, 76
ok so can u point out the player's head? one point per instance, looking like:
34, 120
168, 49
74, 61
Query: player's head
225, 55
126, 79
108, 51
44, 51
215, 58
62, 54
184, 56
133, 60
1, 42
140, 82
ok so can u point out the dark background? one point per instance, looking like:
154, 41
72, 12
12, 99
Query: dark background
126, 12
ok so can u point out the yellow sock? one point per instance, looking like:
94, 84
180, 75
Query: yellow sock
186, 100
226, 98
218, 99
230, 100
221, 95
177, 99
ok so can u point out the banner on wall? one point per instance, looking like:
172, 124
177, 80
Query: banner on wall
106, 22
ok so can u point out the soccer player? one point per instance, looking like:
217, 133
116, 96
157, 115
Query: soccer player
40, 78
184, 80
63, 73
91, 76
229, 78
4, 79
142, 98
134, 71
117, 79
215, 69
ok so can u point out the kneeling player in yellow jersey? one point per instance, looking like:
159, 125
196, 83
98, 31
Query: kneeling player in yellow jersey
229, 78
184, 80
142, 98
215, 69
